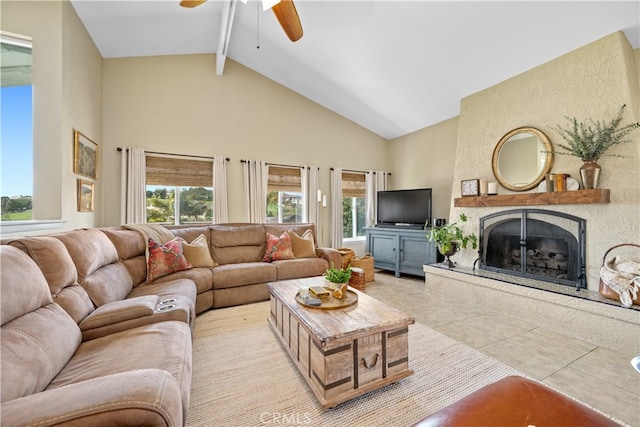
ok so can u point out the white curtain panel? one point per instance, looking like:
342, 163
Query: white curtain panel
220, 190
336, 208
304, 183
375, 181
309, 184
255, 173
133, 190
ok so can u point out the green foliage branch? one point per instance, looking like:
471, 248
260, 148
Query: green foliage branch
448, 234
338, 275
589, 140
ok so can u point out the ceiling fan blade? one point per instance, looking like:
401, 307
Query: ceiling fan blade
191, 3
287, 15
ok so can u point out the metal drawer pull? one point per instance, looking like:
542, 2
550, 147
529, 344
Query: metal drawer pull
166, 307
168, 301
375, 360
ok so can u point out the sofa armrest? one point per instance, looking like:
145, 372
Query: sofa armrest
142, 397
120, 311
332, 256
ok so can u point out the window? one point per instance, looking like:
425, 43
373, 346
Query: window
17, 129
179, 191
284, 195
354, 205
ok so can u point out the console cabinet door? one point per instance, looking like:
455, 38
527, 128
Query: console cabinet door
415, 252
383, 248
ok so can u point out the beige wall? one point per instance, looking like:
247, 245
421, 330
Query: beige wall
67, 74
592, 81
177, 104
425, 159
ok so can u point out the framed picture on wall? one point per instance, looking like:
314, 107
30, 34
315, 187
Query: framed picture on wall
85, 155
85, 196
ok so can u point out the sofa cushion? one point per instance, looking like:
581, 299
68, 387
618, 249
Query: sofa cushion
38, 337
278, 247
58, 268
162, 345
165, 259
24, 288
137, 268
234, 275
300, 267
197, 252
200, 276
303, 246
90, 249
128, 243
232, 244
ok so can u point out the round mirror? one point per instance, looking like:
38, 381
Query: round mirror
522, 158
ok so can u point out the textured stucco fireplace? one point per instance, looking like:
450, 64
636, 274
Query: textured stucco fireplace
539, 244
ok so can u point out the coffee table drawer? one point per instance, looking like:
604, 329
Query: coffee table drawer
369, 359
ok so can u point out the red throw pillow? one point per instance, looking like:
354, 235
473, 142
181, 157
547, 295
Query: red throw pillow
165, 259
278, 247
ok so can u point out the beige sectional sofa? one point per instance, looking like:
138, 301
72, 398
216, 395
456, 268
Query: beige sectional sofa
87, 341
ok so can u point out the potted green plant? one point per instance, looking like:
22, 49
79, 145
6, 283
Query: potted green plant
338, 275
337, 279
450, 238
590, 140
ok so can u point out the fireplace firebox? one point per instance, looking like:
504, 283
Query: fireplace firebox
535, 243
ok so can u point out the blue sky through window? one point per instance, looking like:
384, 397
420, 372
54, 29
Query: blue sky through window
16, 141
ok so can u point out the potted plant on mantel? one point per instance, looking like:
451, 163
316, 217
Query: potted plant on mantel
449, 239
590, 141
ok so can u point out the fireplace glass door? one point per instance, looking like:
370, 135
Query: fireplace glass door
539, 244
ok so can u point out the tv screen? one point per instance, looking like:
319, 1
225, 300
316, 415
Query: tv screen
404, 207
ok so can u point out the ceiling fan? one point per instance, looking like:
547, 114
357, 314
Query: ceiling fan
284, 10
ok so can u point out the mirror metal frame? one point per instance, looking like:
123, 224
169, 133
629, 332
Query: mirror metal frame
545, 169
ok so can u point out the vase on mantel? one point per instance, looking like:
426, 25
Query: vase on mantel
590, 173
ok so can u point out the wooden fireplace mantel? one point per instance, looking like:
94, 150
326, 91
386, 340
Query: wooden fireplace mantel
577, 197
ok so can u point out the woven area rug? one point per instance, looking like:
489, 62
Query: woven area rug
242, 376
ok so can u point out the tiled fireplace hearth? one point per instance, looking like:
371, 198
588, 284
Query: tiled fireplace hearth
582, 314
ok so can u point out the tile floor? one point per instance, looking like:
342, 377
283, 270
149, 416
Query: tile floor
597, 376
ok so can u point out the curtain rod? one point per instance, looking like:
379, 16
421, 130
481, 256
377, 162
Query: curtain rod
177, 155
347, 170
284, 166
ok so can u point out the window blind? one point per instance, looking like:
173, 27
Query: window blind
179, 172
284, 179
353, 184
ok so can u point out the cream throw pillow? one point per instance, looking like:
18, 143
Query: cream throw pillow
197, 252
303, 247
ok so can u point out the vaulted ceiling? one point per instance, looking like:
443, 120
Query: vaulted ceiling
393, 67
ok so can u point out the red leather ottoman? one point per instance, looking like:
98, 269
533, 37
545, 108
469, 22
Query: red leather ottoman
515, 402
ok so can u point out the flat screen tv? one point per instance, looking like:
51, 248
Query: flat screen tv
404, 208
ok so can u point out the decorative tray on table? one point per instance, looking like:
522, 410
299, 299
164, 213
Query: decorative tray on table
330, 303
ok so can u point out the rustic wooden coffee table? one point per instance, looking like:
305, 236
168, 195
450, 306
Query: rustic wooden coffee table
341, 353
